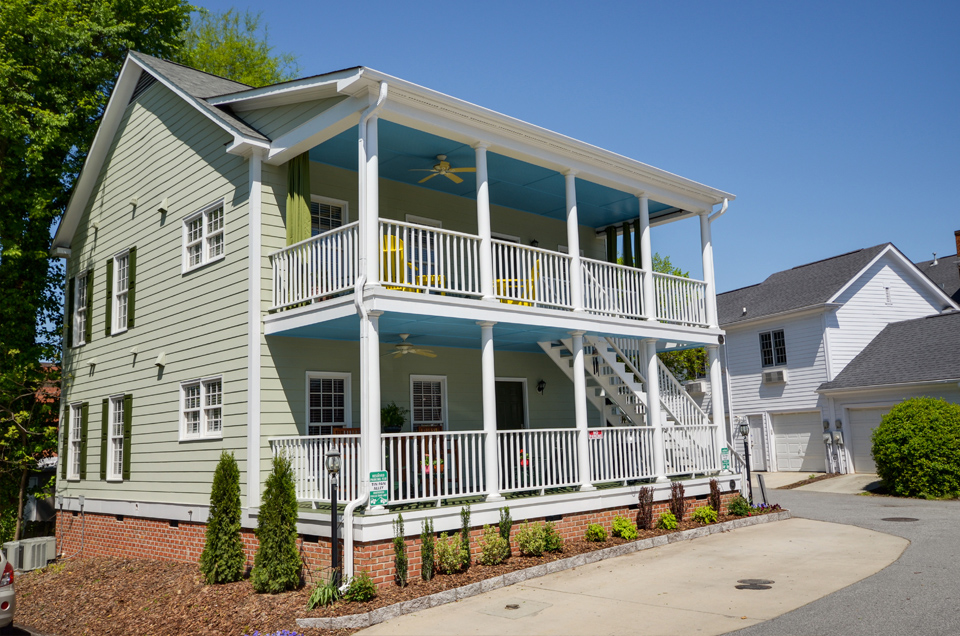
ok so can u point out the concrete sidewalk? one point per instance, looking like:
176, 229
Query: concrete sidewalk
681, 588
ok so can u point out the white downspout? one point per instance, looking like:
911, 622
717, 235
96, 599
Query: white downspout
716, 215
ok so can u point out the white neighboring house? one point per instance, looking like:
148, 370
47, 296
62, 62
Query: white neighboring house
799, 329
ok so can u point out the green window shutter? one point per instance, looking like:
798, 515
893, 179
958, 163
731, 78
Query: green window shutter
131, 285
89, 334
108, 323
84, 429
69, 317
63, 459
127, 420
104, 423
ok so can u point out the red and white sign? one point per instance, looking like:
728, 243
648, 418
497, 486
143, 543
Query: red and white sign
595, 434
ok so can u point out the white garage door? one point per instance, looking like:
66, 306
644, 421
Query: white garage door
799, 442
862, 423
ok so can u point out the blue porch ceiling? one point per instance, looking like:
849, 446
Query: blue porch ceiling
513, 184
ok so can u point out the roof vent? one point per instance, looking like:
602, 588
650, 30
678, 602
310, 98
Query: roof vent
145, 81
935, 262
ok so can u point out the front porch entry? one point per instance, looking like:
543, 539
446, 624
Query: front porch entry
511, 404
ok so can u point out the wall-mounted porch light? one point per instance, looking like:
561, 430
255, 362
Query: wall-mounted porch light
541, 386
534, 243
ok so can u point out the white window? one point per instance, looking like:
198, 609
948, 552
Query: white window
201, 408
328, 402
428, 404
121, 287
203, 238
80, 309
326, 214
115, 439
76, 441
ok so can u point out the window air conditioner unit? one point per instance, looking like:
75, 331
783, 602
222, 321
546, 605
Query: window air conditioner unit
696, 388
778, 376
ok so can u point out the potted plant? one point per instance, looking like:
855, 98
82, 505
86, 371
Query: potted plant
392, 417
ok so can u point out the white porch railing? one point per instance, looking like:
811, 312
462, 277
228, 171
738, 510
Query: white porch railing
690, 449
433, 466
310, 476
525, 275
612, 289
621, 453
683, 407
429, 259
535, 459
680, 300
319, 266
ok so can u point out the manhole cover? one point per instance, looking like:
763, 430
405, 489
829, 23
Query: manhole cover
899, 519
512, 606
753, 586
756, 581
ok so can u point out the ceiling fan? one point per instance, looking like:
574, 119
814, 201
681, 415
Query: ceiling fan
404, 347
443, 168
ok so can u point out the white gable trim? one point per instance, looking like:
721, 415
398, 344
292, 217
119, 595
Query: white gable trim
302, 90
317, 130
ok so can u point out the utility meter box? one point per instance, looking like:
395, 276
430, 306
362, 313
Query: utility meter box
838, 437
827, 438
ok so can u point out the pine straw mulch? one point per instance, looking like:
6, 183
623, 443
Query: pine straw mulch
808, 481
128, 597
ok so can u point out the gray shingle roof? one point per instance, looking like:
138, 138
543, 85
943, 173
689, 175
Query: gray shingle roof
802, 286
200, 85
945, 274
920, 350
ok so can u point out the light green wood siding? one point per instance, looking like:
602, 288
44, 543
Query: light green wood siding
278, 120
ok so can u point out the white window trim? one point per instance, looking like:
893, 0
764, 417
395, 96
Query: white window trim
79, 333
111, 438
443, 401
203, 434
347, 396
510, 238
73, 454
116, 328
204, 237
526, 402
345, 205
423, 220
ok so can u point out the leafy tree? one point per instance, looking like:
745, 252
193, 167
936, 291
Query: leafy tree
688, 364
231, 44
222, 559
277, 565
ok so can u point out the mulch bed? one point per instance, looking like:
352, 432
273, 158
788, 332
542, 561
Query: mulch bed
808, 481
120, 597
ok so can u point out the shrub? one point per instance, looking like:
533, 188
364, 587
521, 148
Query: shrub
450, 557
361, 588
645, 508
399, 552
531, 539
623, 527
596, 532
494, 549
916, 448
739, 506
277, 565
465, 534
552, 541
704, 514
325, 593
427, 544
667, 521
222, 559
715, 494
677, 505
505, 524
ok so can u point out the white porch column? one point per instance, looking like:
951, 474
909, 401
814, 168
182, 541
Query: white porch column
488, 385
372, 204
653, 407
706, 245
580, 410
646, 260
573, 242
254, 330
370, 456
483, 223
716, 397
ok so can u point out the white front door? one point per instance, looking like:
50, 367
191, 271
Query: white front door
862, 423
798, 439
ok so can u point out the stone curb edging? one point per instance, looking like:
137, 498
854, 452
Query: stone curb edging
366, 619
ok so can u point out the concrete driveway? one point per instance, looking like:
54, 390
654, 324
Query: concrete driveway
681, 588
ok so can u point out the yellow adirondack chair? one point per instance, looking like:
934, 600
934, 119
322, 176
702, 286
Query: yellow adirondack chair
525, 288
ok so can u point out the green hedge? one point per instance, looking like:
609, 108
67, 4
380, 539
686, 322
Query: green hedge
916, 448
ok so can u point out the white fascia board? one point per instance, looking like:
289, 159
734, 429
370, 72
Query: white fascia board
885, 387
317, 130
779, 316
302, 90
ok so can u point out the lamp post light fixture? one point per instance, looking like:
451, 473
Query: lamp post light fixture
744, 428
332, 463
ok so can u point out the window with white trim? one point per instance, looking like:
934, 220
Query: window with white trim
80, 309
328, 402
773, 348
201, 408
121, 288
76, 441
115, 439
326, 214
428, 399
203, 237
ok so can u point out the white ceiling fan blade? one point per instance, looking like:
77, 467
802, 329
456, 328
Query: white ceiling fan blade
452, 177
428, 178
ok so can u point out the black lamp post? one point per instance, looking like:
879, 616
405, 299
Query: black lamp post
332, 464
744, 428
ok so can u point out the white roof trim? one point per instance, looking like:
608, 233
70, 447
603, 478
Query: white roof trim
781, 315
882, 387
317, 87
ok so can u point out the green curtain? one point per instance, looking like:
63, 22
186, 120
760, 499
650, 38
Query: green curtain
611, 244
636, 243
627, 247
298, 199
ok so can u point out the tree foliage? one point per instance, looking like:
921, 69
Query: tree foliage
222, 559
277, 565
688, 364
235, 45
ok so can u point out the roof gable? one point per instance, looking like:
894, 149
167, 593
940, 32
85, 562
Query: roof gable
945, 274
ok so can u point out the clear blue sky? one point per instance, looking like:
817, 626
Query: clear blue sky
837, 125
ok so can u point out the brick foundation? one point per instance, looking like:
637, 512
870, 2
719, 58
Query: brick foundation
140, 538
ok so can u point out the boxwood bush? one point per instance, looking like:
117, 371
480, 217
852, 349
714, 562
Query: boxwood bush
916, 448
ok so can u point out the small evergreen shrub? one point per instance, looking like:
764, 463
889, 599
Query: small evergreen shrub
677, 504
277, 565
552, 541
531, 539
361, 588
399, 552
494, 549
917, 448
596, 532
465, 534
704, 514
327, 592
450, 557
505, 523
715, 495
739, 506
623, 527
667, 521
222, 559
645, 508
427, 545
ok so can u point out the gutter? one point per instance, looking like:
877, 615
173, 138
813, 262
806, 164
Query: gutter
716, 215
880, 387
793, 313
